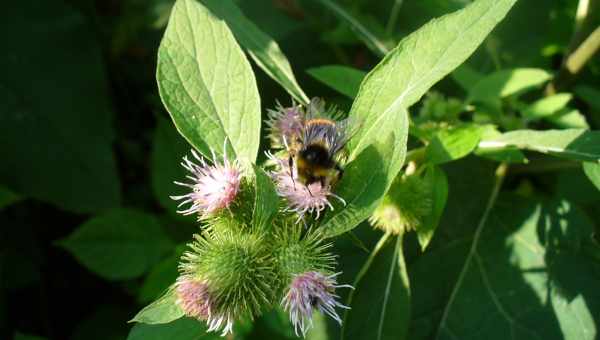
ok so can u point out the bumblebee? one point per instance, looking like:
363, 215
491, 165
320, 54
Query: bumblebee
317, 150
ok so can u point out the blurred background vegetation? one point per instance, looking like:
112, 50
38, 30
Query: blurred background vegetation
88, 153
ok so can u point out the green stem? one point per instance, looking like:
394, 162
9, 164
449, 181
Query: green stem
499, 179
393, 17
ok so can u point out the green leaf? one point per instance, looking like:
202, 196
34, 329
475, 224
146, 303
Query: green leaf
7, 197
56, 130
547, 106
371, 40
345, 80
365, 181
380, 304
168, 148
569, 119
417, 63
21, 336
466, 76
592, 171
266, 201
181, 329
206, 83
161, 311
500, 154
262, 48
452, 144
439, 183
506, 83
121, 244
577, 144
590, 95
525, 268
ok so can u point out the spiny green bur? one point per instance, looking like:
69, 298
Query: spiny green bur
237, 267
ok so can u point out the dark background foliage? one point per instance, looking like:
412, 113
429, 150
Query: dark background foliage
88, 155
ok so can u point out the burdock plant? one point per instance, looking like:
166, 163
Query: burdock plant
250, 254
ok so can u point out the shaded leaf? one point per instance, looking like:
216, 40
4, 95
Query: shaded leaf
168, 149
160, 277
525, 268
262, 48
22, 336
380, 304
500, 154
577, 144
452, 144
592, 171
506, 83
121, 244
266, 201
345, 80
56, 132
439, 184
7, 197
466, 76
206, 83
590, 95
369, 38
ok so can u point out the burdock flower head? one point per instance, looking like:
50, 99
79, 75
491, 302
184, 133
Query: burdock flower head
214, 187
308, 292
196, 301
284, 123
301, 198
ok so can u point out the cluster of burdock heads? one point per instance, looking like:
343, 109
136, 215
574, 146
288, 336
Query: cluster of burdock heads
238, 266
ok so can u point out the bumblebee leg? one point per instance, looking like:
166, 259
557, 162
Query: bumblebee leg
290, 165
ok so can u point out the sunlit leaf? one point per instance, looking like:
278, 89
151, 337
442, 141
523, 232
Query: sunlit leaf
452, 144
509, 82
181, 329
161, 311
592, 171
262, 48
547, 106
577, 144
206, 83
345, 80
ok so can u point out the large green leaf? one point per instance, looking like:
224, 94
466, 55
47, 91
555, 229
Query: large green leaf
206, 83
380, 304
577, 144
121, 244
525, 268
547, 106
509, 82
365, 181
419, 61
345, 80
181, 329
55, 120
168, 148
262, 48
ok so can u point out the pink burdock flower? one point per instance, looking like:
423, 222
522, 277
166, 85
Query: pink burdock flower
193, 297
284, 123
214, 187
308, 292
301, 198
196, 301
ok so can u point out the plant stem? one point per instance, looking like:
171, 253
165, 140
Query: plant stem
389, 29
499, 179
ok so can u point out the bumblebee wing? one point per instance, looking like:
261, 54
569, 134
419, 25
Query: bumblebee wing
344, 130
